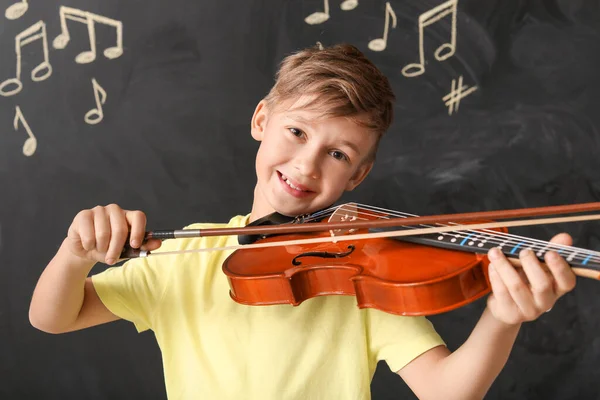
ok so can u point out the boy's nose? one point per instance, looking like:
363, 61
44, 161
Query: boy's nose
307, 163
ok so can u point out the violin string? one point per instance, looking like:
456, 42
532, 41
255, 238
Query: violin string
490, 233
474, 235
576, 252
489, 236
522, 239
458, 234
320, 214
519, 239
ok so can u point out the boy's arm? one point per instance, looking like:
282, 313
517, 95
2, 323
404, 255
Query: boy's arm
517, 296
468, 372
64, 298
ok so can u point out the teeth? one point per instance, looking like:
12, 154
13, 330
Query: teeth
292, 186
290, 183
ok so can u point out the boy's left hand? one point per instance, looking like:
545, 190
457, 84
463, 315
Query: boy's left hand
523, 294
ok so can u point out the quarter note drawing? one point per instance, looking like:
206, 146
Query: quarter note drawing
95, 115
381, 43
452, 99
30, 144
42, 71
443, 52
89, 19
16, 10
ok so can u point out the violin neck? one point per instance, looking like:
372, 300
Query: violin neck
481, 242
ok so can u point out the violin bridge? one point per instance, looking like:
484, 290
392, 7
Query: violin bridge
345, 212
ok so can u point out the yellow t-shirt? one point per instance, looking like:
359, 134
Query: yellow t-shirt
214, 348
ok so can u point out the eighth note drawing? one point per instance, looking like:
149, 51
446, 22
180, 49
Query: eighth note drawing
381, 43
42, 71
348, 5
443, 52
319, 17
31, 143
16, 11
90, 19
452, 99
95, 115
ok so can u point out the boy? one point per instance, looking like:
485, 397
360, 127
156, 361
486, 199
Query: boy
319, 128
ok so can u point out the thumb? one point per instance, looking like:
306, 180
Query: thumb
562, 238
152, 244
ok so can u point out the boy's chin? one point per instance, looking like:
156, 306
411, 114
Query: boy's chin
294, 211
290, 212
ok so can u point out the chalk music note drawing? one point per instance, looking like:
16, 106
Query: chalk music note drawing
348, 5
16, 11
318, 17
381, 43
95, 115
42, 71
443, 52
90, 19
452, 99
31, 143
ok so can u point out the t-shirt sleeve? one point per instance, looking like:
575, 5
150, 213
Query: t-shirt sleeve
397, 339
133, 291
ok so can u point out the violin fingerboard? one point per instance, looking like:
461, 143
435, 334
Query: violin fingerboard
481, 242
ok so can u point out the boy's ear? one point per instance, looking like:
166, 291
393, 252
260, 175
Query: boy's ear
259, 121
360, 174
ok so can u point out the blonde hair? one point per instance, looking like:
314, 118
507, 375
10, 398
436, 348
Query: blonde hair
342, 82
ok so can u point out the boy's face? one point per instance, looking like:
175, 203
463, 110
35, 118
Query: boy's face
305, 164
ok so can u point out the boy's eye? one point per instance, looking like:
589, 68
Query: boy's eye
296, 132
338, 155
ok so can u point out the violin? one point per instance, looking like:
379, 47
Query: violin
395, 262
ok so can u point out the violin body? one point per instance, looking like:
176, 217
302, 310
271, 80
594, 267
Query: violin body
391, 275
395, 262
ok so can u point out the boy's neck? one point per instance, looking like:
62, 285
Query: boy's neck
259, 207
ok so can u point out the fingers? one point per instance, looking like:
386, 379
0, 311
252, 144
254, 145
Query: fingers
137, 221
500, 300
119, 231
152, 244
563, 239
541, 282
100, 234
83, 230
523, 294
564, 277
513, 292
102, 229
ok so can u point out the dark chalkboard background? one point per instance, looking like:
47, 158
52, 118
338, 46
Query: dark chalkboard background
175, 142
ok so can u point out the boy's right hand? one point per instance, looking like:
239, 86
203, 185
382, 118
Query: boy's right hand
99, 234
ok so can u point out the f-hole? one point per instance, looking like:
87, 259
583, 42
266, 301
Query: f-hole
323, 254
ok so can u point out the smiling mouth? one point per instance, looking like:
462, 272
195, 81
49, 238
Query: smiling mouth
291, 185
